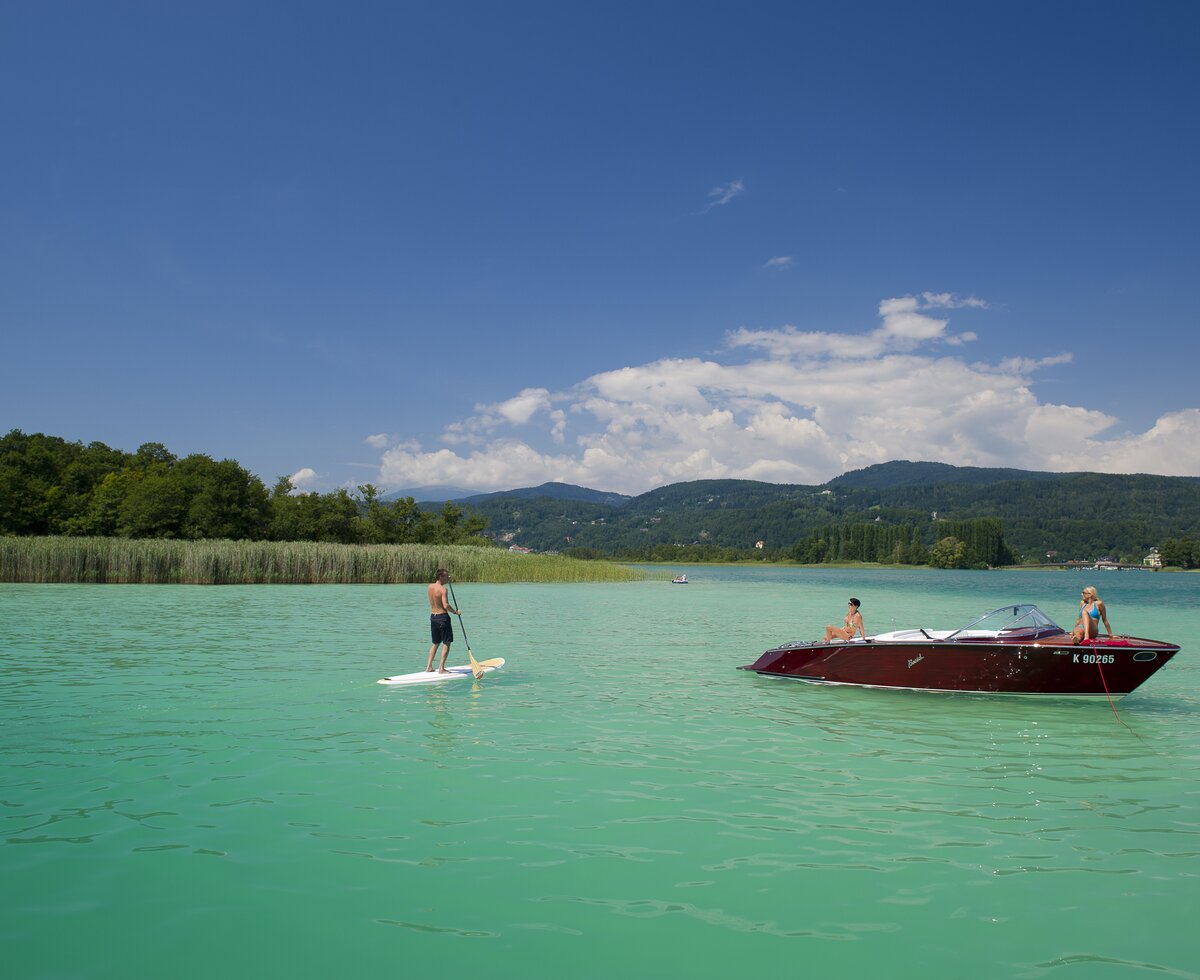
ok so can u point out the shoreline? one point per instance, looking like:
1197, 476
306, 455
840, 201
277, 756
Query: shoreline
880, 565
162, 561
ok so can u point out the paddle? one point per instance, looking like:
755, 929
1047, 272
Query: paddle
476, 666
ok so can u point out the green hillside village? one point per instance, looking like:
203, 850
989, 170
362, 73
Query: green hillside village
896, 513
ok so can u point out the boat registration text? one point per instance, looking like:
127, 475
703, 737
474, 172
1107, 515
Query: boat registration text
1094, 658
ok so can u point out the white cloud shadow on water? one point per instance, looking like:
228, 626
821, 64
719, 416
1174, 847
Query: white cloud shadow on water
793, 406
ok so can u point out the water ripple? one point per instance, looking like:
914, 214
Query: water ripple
183, 763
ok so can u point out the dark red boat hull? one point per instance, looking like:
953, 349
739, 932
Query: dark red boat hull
1051, 665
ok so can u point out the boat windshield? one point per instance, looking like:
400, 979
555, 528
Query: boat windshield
1025, 616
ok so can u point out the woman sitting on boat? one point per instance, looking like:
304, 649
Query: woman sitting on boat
1091, 613
853, 623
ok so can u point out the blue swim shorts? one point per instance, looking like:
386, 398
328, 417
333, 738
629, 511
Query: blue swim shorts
440, 630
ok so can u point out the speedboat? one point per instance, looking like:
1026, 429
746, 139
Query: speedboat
1015, 649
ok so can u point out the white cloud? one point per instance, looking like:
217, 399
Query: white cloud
801, 407
949, 301
904, 327
1070, 439
303, 478
379, 441
1030, 364
722, 195
790, 342
519, 410
779, 262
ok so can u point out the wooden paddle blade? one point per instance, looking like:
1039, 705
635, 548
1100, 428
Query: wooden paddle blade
476, 666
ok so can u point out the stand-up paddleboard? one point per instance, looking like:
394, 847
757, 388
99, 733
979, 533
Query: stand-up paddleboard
433, 677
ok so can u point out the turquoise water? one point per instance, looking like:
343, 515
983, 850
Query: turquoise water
200, 782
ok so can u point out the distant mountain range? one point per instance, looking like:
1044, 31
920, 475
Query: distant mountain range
431, 495
1076, 515
553, 491
902, 473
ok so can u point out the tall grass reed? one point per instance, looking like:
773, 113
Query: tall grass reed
158, 562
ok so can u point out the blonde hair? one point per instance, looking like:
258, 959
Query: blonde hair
1090, 590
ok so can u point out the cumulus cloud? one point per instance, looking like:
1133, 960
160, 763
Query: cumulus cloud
378, 441
519, 410
904, 325
796, 406
303, 478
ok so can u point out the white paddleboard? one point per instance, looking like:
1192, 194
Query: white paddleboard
433, 677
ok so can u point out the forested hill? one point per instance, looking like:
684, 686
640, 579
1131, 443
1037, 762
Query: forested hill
1075, 515
901, 473
554, 491
891, 511
49, 486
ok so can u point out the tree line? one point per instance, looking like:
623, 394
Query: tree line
1181, 552
960, 544
977, 543
1077, 516
49, 486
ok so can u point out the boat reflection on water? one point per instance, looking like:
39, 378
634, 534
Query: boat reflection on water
1015, 649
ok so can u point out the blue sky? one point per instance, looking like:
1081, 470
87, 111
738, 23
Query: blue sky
618, 244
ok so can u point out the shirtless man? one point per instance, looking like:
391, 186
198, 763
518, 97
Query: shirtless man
440, 630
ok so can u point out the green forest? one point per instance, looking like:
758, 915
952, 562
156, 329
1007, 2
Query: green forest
49, 486
893, 513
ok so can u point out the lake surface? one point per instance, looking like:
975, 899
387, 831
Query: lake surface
200, 782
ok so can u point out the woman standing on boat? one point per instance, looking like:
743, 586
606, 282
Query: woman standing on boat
1091, 613
853, 623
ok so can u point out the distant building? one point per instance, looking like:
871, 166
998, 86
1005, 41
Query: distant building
1153, 560
760, 545
520, 549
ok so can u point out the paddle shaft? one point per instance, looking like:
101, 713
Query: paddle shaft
463, 625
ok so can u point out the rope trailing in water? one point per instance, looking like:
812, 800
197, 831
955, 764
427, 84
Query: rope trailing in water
1110, 700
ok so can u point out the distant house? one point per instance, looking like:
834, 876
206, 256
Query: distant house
1153, 560
760, 545
520, 549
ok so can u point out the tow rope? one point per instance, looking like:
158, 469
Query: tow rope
1110, 701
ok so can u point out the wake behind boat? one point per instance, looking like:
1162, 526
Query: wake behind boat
1015, 649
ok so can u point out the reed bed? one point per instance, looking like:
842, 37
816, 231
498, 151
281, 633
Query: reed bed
162, 562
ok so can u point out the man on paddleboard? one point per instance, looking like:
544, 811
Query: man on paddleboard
440, 630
